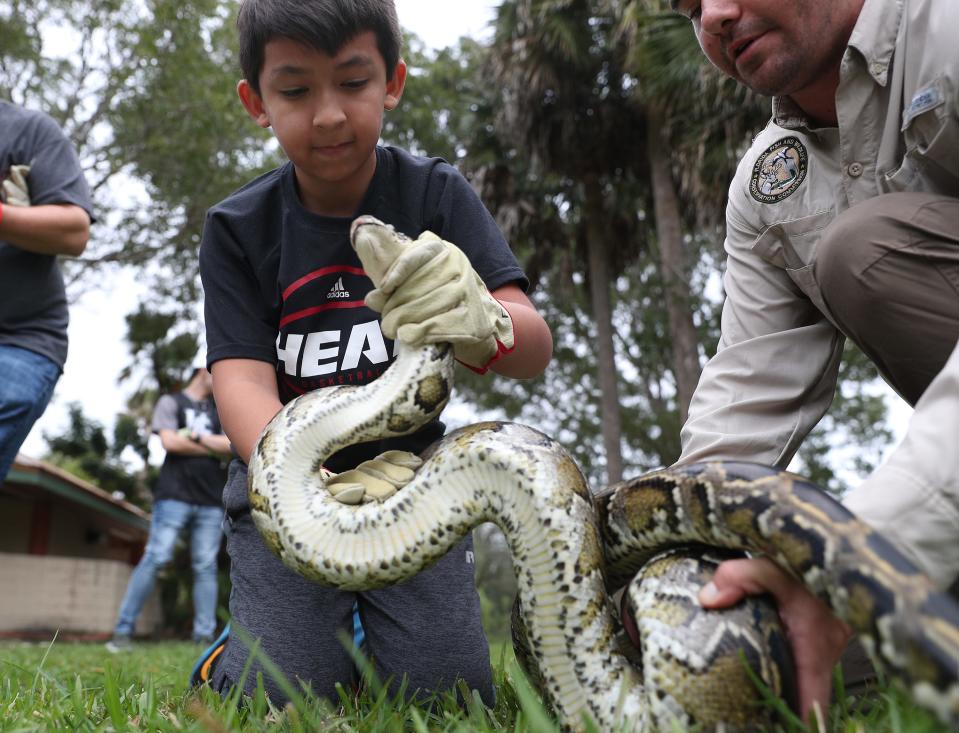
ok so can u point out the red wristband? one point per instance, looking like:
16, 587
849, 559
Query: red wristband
501, 350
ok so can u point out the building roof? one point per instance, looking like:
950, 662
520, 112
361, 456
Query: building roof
32, 472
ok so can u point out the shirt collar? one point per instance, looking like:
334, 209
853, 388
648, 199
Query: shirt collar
788, 114
874, 37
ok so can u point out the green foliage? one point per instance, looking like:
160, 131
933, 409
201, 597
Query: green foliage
163, 343
84, 451
444, 104
710, 119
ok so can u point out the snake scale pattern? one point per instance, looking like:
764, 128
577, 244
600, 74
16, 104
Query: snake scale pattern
571, 549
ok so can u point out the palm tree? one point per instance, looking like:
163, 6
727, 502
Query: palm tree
697, 122
564, 104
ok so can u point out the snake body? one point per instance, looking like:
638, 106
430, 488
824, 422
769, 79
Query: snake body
660, 536
569, 549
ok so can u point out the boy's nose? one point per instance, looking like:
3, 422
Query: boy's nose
328, 113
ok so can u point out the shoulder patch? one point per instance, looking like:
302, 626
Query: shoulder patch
779, 170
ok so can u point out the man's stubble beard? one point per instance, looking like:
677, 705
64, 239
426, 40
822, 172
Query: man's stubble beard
801, 64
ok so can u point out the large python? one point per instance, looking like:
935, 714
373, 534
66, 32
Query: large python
570, 550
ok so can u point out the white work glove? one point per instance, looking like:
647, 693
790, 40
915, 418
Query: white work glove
427, 293
15, 191
376, 479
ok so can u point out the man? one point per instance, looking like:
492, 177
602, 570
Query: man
842, 221
45, 211
187, 494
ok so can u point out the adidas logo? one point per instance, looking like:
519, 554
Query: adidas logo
338, 291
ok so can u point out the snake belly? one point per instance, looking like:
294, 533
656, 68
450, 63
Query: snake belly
568, 548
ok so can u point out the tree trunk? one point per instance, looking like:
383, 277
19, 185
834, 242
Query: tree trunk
599, 280
669, 233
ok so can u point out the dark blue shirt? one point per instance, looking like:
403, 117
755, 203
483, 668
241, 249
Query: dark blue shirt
284, 286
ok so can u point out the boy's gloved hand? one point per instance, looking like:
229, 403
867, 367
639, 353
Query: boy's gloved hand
15, 191
428, 292
376, 479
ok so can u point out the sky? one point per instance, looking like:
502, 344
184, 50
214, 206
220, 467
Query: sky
97, 349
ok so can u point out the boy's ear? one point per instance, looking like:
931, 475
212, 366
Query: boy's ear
253, 103
394, 87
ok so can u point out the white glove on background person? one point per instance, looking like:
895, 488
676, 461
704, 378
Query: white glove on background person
14, 191
427, 293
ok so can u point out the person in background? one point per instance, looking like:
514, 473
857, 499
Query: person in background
45, 212
188, 494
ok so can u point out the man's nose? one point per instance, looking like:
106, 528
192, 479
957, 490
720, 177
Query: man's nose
717, 15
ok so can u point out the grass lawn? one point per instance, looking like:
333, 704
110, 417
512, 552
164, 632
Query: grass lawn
82, 687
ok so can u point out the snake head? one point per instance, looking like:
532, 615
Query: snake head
377, 244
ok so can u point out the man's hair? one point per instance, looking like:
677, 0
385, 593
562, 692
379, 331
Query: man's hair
324, 25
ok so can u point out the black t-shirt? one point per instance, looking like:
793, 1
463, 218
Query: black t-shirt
192, 479
33, 307
284, 286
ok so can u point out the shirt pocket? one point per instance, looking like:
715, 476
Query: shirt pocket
930, 131
792, 246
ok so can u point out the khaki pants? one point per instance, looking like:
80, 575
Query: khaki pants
889, 273
888, 270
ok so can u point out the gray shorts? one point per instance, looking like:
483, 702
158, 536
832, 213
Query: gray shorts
427, 628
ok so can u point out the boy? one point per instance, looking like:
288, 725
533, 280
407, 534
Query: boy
285, 314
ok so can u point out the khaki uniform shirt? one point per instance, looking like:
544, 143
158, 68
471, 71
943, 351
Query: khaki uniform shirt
775, 371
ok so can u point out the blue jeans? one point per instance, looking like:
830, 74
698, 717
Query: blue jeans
27, 380
169, 518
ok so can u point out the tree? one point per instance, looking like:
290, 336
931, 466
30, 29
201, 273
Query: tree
84, 450
564, 104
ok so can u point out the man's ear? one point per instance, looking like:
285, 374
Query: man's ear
253, 103
394, 87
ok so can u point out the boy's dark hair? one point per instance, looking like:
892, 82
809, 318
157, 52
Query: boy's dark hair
324, 25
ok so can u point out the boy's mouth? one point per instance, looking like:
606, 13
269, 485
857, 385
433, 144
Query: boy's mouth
333, 148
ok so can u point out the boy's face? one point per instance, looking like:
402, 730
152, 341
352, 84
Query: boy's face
327, 113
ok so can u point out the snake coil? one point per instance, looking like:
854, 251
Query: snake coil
660, 535
568, 549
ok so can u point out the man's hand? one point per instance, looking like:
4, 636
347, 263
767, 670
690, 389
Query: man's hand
427, 292
15, 190
376, 479
817, 637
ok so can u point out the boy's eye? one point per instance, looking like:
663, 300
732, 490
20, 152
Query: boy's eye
293, 92
355, 83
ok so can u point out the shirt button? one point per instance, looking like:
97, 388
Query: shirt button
854, 169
